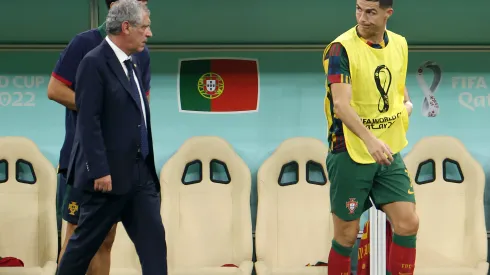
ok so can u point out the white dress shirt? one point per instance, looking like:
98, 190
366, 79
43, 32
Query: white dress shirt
121, 56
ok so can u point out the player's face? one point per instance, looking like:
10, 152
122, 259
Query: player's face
140, 33
371, 18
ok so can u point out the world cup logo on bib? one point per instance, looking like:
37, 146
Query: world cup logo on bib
382, 78
430, 107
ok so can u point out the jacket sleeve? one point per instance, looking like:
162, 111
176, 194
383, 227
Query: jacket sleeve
89, 98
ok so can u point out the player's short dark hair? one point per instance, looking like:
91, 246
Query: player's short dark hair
109, 2
384, 3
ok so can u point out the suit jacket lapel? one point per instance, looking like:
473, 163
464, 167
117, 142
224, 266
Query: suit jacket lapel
116, 67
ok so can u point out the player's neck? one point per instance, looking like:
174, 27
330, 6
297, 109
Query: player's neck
375, 38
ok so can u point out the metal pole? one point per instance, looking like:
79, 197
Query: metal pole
94, 14
381, 242
373, 241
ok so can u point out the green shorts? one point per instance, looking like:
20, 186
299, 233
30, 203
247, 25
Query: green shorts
351, 185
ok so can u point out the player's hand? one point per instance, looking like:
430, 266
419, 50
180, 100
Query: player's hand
409, 107
103, 184
380, 151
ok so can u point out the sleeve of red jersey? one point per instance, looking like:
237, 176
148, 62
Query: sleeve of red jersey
67, 64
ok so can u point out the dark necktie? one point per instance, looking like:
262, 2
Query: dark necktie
136, 94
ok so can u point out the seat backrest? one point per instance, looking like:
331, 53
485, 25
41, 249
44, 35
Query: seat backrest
206, 204
449, 185
27, 203
294, 224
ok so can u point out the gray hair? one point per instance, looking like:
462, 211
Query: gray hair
124, 10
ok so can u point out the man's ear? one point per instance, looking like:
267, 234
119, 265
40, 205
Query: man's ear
125, 27
389, 11
112, 4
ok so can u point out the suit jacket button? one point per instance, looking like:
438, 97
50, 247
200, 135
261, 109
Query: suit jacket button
139, 125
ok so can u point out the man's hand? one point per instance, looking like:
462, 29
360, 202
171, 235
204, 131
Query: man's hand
379, 150
409, 107
103, 184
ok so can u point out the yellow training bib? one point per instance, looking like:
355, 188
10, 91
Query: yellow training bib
378, 84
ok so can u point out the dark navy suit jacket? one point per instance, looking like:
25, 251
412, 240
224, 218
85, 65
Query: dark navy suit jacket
107, 138
66, 70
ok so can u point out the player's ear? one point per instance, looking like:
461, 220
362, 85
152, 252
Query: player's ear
389, 12
112, 4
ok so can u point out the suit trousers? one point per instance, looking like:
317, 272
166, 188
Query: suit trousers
138, 210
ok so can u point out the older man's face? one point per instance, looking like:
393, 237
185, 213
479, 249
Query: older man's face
139, 34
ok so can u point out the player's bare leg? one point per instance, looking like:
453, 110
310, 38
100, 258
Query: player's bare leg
345, 236
70, 228
345, 232
101, 262
405, 223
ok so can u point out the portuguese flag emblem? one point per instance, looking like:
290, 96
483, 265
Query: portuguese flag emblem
218, 85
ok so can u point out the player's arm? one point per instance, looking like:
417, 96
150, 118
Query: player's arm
408, 102
60, 92
60, 84
89, 98
341, 95
336, 65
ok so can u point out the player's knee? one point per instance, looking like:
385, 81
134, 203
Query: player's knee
349, 235
346, 231
407, 225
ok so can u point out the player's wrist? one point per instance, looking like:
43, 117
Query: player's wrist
367, 136
409, 107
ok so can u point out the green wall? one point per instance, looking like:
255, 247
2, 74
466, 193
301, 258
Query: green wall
42, 22
28, 62
423, 22
434, 22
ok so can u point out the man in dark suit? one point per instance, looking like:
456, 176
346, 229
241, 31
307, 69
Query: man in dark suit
112, 157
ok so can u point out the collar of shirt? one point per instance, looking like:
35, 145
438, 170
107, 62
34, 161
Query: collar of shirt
121, 56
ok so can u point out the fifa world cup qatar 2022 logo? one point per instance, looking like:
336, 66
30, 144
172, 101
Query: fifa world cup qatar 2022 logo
430, 106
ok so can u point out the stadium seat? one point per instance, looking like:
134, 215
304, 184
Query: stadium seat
449, 185
124, 259
294, 226
27, 208
206, 209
